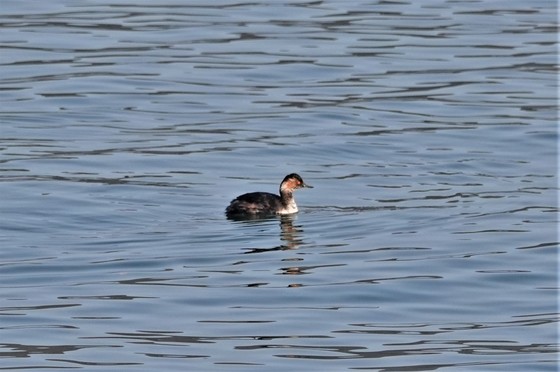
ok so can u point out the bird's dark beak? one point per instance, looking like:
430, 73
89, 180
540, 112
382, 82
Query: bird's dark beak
306, 185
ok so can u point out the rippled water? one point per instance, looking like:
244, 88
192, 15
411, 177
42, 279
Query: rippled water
429, 130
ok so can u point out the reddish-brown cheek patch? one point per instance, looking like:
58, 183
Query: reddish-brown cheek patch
291, 184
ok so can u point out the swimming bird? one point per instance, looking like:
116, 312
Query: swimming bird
260, 204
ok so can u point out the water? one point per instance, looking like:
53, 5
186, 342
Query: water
429, 130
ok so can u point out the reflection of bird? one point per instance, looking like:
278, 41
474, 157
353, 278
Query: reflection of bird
266, 204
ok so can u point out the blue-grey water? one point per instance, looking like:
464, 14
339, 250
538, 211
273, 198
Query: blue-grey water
428, 128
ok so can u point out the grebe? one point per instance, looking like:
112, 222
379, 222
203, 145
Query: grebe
259, 204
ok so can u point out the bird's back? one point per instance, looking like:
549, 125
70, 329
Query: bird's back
254, 203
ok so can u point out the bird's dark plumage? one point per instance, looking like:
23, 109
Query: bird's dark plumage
262, 204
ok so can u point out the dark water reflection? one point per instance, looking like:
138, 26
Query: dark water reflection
429, 130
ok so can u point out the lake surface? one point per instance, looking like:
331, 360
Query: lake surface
428, 129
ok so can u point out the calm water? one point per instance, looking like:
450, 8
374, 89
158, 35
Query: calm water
429, 130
